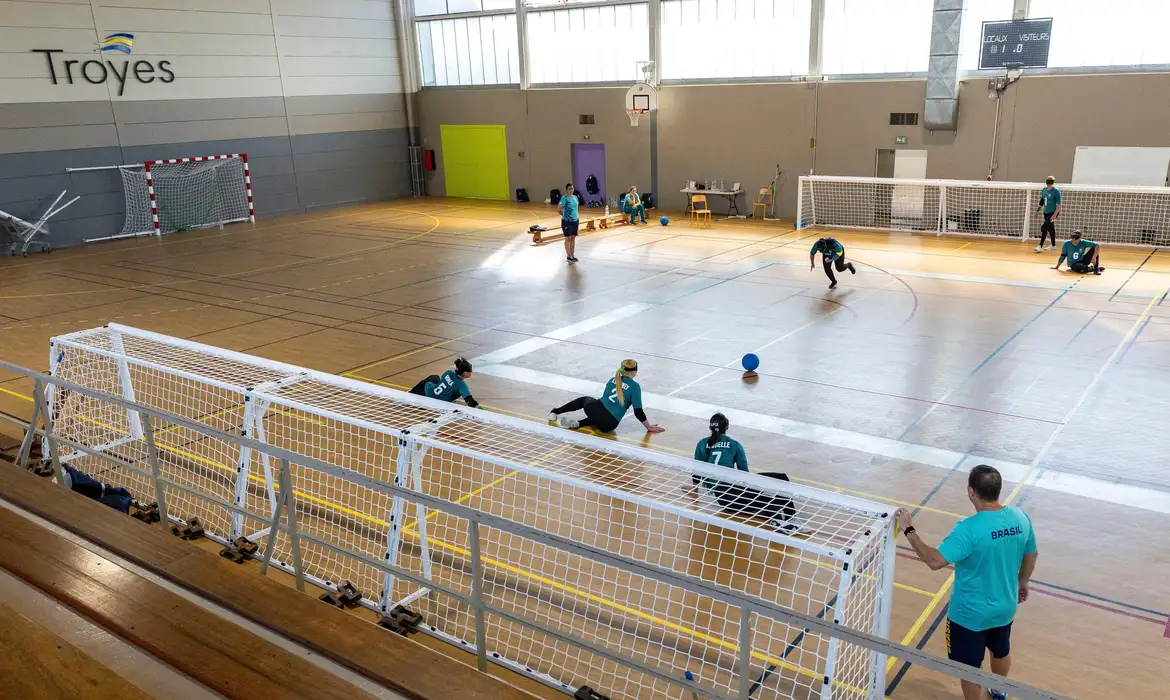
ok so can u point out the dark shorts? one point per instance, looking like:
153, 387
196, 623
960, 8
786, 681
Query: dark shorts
569, 228
598, 414
421, 388
968, 646
1083, 265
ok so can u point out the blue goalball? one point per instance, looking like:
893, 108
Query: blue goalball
664, 221
750, 362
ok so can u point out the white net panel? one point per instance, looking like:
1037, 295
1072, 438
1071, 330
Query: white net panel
191, 194
1126, 215
606, 496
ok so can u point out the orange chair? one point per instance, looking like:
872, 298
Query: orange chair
696, 211
764, 200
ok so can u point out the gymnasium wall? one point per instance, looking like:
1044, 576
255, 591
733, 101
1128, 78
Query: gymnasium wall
740, 132
310, 90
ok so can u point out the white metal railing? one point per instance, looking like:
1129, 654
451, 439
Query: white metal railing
1119, 215
749, 611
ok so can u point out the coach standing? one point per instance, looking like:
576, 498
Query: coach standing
994, 554
1050, 203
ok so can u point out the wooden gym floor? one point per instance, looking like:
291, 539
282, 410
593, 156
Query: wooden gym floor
939, 354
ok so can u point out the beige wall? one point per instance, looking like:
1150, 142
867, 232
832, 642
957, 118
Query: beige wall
741, 132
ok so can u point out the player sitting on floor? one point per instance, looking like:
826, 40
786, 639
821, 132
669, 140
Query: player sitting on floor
833, 253
605, 413
450, 386
721, 449
632, 205
1083, 256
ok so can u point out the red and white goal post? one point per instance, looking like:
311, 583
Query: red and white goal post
182, 194
1118, 215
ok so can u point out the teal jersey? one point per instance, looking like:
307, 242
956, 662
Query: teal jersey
449, 388
1075, 253
630, 200
569, 205
630, 390
987, 550
726, 452
1049, 201
837, 251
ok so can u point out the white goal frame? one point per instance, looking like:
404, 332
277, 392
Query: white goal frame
846, 552
1137, 216
149, 167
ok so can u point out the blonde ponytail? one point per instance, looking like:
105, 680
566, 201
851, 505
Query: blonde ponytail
627, 366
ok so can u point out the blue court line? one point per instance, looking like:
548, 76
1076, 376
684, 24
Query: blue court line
1133, 341
938, 486
942, 614
1082, 330
992, 356
788, 650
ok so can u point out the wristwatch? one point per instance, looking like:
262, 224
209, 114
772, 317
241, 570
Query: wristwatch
909, 531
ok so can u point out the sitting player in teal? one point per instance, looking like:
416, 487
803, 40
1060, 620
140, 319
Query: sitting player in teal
833, 253
450, 386
725, 451
632, 205
1083, 256
605, 413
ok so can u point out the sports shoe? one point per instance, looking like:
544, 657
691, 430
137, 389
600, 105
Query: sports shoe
1050, 247
573, 258
997, 695
567, 422
833, 285
1039, 249
552, 416
790, 526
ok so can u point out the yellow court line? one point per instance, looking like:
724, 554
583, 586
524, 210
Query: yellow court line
963, 246
16, 394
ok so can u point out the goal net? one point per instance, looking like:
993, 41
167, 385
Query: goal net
557, 609
1125, 215
182, 194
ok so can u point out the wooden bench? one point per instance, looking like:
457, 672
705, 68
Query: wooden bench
392, 661
598, 222
38, 665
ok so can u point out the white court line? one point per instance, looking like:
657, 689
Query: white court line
553, 337
1134, 496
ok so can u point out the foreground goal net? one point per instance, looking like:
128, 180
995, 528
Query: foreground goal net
1125, 215
560, 606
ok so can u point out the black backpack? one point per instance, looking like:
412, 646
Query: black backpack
554, 196
591, 184
521, 194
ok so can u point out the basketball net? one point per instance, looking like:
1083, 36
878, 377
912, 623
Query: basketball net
634, 115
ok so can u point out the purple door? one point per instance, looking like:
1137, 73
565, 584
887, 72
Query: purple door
589, 159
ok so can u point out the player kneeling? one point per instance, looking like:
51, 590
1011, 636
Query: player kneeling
450, 386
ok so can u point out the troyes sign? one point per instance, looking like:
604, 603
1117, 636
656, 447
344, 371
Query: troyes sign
97, 72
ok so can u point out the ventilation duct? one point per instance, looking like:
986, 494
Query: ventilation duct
942, 78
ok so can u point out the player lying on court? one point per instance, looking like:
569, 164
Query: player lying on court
721, 449
1083, 256
833, 253
450, 386
605, 413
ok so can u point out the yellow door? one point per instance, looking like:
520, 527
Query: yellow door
475, 161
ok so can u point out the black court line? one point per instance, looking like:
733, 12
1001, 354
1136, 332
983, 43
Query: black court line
1131, 275
788, 650
920, 646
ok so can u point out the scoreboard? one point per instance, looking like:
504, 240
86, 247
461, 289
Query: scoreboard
1017, 43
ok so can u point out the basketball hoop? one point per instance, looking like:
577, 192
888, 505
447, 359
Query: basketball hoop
634, 115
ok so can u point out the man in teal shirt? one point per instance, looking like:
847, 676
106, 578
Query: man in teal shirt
994, 553
1082, 255
1050, 203
569, 222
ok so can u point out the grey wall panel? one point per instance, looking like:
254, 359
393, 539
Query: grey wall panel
88, 206
197, 110
39, 114
343, 104
338, 160
19, 189
275, 205
72, 232
265, 187
255, 148
269, 166
202, 131
357, 121
354, 140
31, 139
51, 162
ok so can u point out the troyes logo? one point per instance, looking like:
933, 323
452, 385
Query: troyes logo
97, 72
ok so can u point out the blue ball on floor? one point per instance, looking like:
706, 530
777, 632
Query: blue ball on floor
664, 221
750, 362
